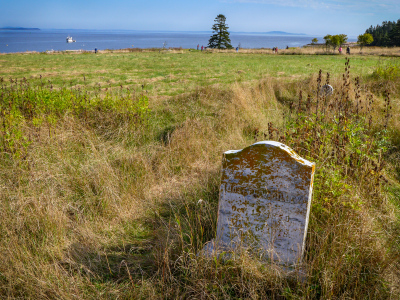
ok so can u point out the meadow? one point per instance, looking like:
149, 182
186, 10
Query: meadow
170, 73
104, 158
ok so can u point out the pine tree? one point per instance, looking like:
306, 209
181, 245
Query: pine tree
382, 34
394, 35
220, 39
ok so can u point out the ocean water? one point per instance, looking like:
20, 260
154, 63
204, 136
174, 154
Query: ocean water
54, 39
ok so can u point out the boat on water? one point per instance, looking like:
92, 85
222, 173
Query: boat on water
70, 40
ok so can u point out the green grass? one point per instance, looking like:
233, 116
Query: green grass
173, 73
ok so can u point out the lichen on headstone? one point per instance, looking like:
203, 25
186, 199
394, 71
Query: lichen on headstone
264, 202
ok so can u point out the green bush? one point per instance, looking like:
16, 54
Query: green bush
390, 72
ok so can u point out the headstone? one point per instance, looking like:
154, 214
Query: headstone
326, 90
264, 202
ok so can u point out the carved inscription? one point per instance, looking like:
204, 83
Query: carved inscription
276, 195
265, 197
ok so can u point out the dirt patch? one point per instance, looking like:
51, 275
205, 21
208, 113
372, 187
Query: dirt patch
154, 79
100, 72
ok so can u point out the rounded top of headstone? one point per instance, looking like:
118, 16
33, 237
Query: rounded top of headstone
326, 90
278, 145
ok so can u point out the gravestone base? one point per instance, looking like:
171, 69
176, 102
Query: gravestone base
211, 251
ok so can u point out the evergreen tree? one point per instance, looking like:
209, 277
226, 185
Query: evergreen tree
394, 35
383, 34
220, 39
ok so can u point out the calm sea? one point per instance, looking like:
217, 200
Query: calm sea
43, 40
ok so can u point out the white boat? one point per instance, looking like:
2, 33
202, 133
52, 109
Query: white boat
70, 40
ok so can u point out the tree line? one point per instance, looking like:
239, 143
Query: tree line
387, 34
339, 39
335, 40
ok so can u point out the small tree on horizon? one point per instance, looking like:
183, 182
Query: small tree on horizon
335, 40
314, 41
364, 39
342, 39
220, 39
328, 41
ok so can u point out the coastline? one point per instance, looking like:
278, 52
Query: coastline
16, 41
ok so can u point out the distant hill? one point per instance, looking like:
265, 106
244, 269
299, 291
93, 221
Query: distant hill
282, 33
272, 33
18, 28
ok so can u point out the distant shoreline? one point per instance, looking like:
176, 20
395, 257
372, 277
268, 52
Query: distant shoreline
18, 40
277, 33
18, 28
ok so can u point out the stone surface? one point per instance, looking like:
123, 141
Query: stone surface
326, 90
264, 202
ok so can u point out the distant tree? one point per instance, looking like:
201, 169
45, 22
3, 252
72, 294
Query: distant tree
342, 39
314, 41
382, 34
328, 41
220, 39
394, 35
364, 39
335, 40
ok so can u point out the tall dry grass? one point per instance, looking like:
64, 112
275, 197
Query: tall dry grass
348, 245
318, 50
75, 206
109, 210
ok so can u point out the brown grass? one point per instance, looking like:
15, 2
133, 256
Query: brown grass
113, 212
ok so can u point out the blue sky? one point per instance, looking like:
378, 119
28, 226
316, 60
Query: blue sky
312, 17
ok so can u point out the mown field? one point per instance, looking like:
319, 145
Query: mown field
174, 72
104, 158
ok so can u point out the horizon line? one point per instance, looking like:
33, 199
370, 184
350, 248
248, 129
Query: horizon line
151, 30
198, 31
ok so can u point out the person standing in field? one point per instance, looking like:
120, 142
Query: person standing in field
340, 50
348, 50
202, 47
198, 46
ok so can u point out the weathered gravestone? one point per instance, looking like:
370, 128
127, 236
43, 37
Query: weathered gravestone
326, 90
264, 201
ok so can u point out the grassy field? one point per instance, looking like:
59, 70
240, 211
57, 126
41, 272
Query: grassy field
174, 72
103, 160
